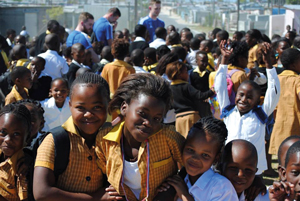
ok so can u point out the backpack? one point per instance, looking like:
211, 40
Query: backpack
213, 101
62, 152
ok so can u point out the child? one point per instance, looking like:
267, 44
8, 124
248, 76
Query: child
191, 57
19, 56
202, 149
41, 82
150, 61
246, 120
185, 97
117, 70
78, 54
82, 179
199, 79
206, 46
239, 165
289, 102
283, 148
253, 37
37, 118
137, 59
22, 79
289, 188
15, 125
138, 154
56, 108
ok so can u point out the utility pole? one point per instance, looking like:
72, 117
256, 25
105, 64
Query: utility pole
238, 15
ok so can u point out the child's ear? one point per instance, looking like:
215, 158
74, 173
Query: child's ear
70, 103
123, 108
217, 159
50, 93
17, 80
280, 169
283, 176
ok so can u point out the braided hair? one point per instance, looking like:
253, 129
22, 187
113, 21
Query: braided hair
213, 127
89, 79
142, 83
22, 113
240, 49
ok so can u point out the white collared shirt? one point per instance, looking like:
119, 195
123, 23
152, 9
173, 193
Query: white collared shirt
157, 42
211, 186
139, 69
248, 126
138, 38
53, 116
258, 198
191, 58
55, 65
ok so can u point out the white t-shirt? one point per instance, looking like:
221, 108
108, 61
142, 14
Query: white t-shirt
258, 198
132, 177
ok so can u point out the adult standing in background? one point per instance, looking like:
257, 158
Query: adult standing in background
80, 34
103, 28
152, 21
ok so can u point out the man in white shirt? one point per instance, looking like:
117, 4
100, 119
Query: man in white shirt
56, 66
161, 34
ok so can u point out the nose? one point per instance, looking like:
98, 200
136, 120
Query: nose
7, 139
241, 173
147, 122
88, 114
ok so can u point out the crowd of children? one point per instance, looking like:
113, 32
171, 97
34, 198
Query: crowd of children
182, 118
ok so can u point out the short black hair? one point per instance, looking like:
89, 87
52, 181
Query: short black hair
214, 127
180, 51
297, 42
208, 43
254, 33
140, 30
253, 84
195, 43
150, 52
162, 50
215, 31
40, 59
238, 34
265, 38
189, 35
295, 148
22, 113
137, 56
90, 79
141, 83
200, 36
281, 145
289, 57
223, 35
174, 38
51, 24
160, 32
61, 79
10, 31
19, 72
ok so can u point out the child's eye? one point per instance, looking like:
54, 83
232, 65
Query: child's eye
205, 155
295, 173
97, 107
189, 150
2, 133
141, 113
157, 119
80, 108
17, 134
249, 171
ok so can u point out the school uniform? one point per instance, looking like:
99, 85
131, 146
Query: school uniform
138, 43
287, 121
248, 126
40, 89
252, 56
157, 159
71, 74
211, 61
151, 68
185, 98
12, 188
115, 72
53, 115
199, 80
258, 198
139, 69
14, 96
82, 174
211, 186
191, 58
157, 43
238, 77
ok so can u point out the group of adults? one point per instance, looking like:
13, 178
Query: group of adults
102, 30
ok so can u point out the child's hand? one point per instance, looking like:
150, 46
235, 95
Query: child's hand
282, 191
163, 187
225, 52
34, 76
267, 51
255, 189
182, 191
111, 194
